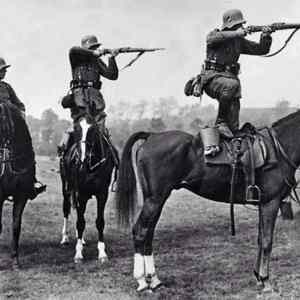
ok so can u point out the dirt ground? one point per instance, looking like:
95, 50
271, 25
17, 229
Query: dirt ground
196, 257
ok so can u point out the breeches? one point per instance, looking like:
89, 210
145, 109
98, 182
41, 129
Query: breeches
227, 91
223, 88
89, 103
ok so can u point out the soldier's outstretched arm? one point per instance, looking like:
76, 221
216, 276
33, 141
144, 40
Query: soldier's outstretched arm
217, 36
109, 71
254, 48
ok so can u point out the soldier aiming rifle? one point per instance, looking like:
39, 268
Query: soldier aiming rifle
85, 99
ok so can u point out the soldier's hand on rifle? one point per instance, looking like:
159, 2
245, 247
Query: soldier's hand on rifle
267, 30
241, 32
114, 52
97, 52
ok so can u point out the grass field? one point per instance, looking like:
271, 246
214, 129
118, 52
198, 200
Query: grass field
195, 254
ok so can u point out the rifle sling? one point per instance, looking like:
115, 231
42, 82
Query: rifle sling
284, 45
134, 60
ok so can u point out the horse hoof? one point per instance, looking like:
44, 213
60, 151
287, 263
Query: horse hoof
78, 260
65, 241
155, 283
15, 264
142, 285
103, 260
141, 289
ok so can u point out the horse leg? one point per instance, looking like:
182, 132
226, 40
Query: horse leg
100, 223
143, 231
80, 226
267, 218
66, 211
18, 208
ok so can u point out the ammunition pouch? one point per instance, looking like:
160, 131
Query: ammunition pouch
219, 67
194, 87
68, 101
75, 83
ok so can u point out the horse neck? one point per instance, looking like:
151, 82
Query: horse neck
288, 133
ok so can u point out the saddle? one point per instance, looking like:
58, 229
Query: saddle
249, 150
257, 142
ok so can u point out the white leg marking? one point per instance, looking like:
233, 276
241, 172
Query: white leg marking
139, 272
150, 271
82, 239
84, 126
102, 256
149, 265
78, 255
65, 237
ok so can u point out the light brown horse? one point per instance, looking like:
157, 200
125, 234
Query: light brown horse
172, 160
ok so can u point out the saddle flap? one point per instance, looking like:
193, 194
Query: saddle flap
225, 156
259, 153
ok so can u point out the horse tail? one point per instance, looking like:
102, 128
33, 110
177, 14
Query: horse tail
126, 193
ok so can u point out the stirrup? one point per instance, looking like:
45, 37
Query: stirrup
253, 195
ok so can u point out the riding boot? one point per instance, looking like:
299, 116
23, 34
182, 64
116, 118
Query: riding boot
64, 144
105, 135
101, 129
37, 188
233, 115
112, 148
222, 122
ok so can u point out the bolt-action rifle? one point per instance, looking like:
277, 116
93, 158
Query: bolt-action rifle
275, 27
140, 52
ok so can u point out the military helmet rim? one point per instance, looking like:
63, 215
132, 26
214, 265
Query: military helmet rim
89, 41
3, 64
233, 17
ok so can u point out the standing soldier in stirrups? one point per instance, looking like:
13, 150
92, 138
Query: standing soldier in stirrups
86, 101
219, 77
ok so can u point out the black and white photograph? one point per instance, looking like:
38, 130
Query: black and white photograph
149, 149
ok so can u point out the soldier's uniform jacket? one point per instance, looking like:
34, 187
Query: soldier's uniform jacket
87, 70
7, 94
225, 51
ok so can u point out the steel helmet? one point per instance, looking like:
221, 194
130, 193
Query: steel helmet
3, 64
89, 41
232, 17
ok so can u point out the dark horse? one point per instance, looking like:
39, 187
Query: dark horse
17, 168
173, 160
82, 180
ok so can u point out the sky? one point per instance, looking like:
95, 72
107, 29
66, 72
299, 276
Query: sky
37, 35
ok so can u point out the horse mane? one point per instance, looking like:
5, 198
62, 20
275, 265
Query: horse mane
286, 119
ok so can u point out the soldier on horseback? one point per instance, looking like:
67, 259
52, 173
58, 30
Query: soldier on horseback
85, 99
8, 95
219, 77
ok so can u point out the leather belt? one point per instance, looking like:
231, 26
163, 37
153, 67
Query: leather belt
215, 66
85, 84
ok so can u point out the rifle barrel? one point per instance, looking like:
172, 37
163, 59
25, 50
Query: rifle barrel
130, 50
274, 26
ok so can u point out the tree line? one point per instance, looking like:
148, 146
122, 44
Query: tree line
125, 118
